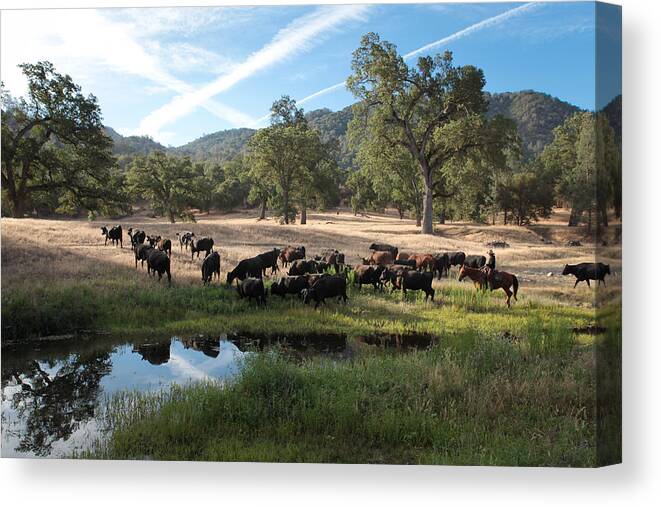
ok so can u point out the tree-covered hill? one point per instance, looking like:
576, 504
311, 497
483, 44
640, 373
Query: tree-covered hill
613, 111
535, 113
220, 146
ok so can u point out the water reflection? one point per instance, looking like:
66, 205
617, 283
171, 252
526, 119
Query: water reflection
49, 400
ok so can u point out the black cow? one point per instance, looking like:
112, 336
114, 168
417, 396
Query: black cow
137, 237
392, 274
158, 262
313, 277
290, 285
252, 288
185, 239
475, 261
416, 280
586, 271
326, 287
142, 254
369, 275
252, 267
410, 263
441, 264
384, 247
211, 267
115, 235
303, 267
456, 258
152, 240
201, 245
270, 260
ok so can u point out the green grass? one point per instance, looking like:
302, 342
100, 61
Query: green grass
468, 400
135, 307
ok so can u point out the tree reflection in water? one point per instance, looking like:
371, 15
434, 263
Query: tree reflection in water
54, 400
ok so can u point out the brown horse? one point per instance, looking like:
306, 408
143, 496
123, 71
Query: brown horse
487, 278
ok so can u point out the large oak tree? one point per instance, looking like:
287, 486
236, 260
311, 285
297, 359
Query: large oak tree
53, 144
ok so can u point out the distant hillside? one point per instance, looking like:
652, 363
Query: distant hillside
132, 145
217, 147
536, 114
613, 111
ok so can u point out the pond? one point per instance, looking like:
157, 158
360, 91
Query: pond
52, 391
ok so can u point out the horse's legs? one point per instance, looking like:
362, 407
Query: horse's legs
509, 295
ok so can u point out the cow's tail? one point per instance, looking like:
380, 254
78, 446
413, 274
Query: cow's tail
515, 284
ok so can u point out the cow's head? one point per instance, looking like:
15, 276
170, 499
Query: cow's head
462, 272
104, 231
230, 277
566, 271
608, 269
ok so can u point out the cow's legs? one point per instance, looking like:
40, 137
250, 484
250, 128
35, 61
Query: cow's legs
576, 283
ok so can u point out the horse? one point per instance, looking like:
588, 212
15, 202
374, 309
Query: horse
487, 278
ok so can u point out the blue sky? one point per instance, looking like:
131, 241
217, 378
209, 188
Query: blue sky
176, 74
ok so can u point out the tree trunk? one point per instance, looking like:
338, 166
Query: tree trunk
262, 211
401, 213
504, 217
18, 206
573, 218
304, 215
418, 218
428, 210
285, 205
604, 216
171, 216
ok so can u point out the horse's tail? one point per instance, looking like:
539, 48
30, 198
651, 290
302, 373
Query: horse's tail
515, 284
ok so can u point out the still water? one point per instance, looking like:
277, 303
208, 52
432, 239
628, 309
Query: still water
52, 392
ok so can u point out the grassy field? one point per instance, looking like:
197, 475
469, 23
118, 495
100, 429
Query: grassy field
501, 386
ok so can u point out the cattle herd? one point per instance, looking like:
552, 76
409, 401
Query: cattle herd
325, 275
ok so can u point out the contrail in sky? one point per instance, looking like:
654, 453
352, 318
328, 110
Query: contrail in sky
485, 23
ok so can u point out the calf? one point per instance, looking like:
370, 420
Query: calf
211, 267
290, 285
142, 254
137, 237
380, 258
185, 239
326, 287
252, 267
252, 288
586, 271
270, 260
201, 245
392, 274
475, 261
164, 245
369, 275
384, 247
414, 280
291, 253
158, 262
115, 235
332, 258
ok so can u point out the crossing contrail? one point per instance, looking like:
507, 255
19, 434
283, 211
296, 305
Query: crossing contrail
485, 23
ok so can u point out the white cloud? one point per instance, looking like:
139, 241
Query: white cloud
87, 45
298, 37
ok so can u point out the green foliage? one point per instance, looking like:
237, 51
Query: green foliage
536, 115
585, 163
434, 111
172, 184
55, 154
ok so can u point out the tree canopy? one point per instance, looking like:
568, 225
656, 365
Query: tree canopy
55, 152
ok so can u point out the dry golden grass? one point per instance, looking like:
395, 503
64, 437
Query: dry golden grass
38, 251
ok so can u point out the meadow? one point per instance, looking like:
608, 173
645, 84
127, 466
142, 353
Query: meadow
499, 386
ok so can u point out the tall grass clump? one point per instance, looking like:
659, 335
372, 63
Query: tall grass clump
486, 404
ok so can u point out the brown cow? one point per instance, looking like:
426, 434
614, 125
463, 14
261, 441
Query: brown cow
403, 256
379, 258
423, 262
291, 253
